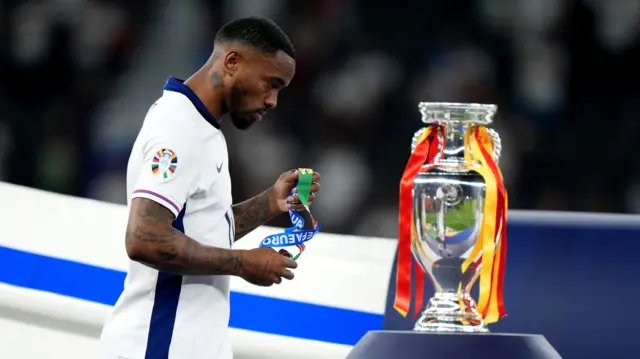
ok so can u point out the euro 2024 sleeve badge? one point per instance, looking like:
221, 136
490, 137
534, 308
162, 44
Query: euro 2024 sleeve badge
164, 163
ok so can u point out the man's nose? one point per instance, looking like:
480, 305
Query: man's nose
271, 101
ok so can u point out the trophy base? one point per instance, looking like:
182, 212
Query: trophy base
444, 314
413, 345
441, 326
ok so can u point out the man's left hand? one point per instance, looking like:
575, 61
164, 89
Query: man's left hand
282, 201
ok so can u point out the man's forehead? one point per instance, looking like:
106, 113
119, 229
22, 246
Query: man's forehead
278, 59
280, 63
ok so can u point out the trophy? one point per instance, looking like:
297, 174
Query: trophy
453, 210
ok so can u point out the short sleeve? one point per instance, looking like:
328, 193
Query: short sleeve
169, 170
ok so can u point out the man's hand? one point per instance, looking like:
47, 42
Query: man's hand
260, 209
281, 200
264, 266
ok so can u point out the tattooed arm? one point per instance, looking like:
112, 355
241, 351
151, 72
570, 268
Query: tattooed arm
152, 240
254, 212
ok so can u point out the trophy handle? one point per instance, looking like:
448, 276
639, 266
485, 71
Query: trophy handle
497, 144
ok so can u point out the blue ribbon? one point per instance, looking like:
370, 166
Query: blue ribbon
292, 236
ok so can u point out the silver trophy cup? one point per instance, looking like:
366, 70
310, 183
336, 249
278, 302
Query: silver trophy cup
448, 203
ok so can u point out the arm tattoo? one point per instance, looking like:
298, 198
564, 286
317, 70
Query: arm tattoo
151, 239
252, 213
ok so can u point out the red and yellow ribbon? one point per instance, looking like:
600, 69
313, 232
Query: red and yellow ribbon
478, 150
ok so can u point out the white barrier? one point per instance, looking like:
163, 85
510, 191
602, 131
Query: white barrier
37, 322
52, 246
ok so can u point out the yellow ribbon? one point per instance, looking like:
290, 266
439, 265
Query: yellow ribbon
487, 236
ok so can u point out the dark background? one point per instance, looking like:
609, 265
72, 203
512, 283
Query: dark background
77, 78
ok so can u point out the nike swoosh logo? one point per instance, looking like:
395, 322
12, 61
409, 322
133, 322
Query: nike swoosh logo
220, 167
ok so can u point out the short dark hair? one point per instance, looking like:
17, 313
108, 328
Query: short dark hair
258, 32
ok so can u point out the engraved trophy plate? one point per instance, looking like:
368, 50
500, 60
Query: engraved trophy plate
448, 208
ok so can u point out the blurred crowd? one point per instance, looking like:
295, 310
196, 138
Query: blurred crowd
58, 60
564, 74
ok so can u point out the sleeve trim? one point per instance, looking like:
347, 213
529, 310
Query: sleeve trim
149, 194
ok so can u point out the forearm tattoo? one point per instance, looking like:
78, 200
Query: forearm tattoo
151, 239
252, 213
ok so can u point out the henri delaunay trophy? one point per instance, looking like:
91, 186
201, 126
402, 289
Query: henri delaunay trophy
452, 234
453, 211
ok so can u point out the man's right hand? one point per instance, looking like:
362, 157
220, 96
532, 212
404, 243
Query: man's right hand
264, 266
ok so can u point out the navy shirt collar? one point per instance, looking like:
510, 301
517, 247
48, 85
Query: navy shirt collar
177, 85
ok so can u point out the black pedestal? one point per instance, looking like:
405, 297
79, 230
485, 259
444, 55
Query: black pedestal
414, 345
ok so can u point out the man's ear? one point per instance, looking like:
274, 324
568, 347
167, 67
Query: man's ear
231, 62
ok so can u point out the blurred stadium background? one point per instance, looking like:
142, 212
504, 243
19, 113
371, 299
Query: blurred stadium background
79, 75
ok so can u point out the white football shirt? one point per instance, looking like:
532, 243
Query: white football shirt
180, 161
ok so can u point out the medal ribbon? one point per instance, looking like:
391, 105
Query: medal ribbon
427, 148
296, 235
479, 149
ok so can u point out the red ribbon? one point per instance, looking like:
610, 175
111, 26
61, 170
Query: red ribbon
424, 152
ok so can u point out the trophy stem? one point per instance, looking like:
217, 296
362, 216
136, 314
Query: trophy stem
444, 313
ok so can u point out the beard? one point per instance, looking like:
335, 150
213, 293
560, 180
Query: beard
241, 120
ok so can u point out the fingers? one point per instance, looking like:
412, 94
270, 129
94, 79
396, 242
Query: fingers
315, 187
266, 266
297, 207
289, 263
267, 281
292, 176
262, 281
294, 201
287, 274
282, 271
276, 278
